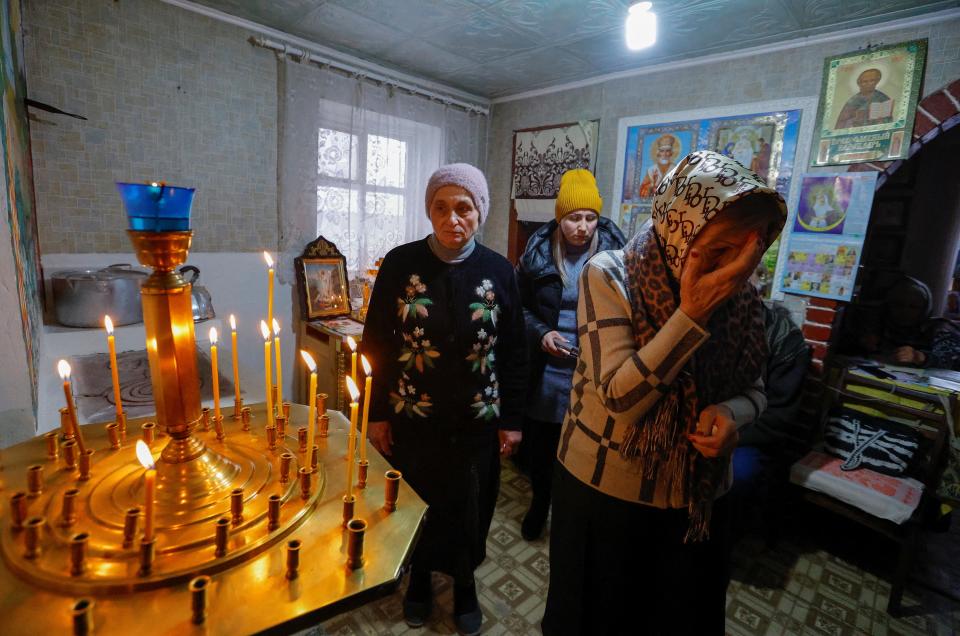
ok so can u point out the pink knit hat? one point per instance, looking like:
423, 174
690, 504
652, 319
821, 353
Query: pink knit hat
467, 177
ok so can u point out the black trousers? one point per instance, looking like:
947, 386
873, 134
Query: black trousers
622, 568
541, 439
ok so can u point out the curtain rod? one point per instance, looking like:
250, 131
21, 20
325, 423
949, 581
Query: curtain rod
306, 57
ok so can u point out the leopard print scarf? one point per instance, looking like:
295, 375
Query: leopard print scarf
731, 360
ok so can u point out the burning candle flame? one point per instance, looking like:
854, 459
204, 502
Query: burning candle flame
351, 343
366, 365
63, 368
144, 455
213, 335
233, 323
268, 259
108, 324
352, 388
309, 360
276, 327
264, 330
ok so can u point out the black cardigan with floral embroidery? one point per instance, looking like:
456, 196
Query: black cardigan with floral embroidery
446, 343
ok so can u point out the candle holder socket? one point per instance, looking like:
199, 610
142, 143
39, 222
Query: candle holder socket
34, 480
149, 432
272, 437
122, 423
78, 553
281, 424
82, 612
236, 505
148, 551
391, 489
245, 418
68, 507
362, 473
218, 426
86, 459
70, 454
273, 512
285, 410
349, 502
324, 422
52, 440
305, 482
314, 457
130, 521
322, 403
66, 424
32, 530
222, 536
113, 433
302, 439
356, 528
293, 558
18, 509
276, 402
205, 419
285, 461
198, 599
237, 408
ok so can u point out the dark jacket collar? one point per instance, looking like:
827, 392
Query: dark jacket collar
537, 258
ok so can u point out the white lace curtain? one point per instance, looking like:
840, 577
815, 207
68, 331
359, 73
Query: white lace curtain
354, 160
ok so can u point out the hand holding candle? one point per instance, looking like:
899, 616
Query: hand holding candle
351, 445
312, 413
276, 344
215, 372
149, 484
353, 358
114, 372
266, 371
63, 367
366, 407
236, 367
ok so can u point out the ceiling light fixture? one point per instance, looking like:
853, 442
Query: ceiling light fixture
641, 27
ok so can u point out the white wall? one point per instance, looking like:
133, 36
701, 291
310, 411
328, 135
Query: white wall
237, 282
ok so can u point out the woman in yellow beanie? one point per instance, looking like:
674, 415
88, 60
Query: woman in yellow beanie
548, 274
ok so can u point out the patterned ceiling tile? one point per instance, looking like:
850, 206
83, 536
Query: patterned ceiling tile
555, 21
334, 26
417, 17
422, 57
279, 14
826, 13
481, 37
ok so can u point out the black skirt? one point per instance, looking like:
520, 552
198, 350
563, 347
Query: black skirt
459, 479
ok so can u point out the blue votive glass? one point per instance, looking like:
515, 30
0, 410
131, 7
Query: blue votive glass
156, 207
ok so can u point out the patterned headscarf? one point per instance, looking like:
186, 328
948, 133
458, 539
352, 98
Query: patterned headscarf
695, 192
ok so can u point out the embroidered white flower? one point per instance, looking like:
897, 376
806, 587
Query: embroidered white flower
481, 334
487, 285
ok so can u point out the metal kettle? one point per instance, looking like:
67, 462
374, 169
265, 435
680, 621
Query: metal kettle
200, 298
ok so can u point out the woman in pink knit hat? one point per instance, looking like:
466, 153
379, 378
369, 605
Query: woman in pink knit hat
445, 332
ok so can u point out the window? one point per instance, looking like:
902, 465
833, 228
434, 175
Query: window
370, 183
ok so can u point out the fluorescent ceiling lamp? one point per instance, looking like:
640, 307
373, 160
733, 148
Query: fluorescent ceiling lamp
641, 28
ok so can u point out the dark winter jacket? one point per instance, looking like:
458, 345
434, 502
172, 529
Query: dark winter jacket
541, 287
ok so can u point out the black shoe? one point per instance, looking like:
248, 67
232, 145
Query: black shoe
533, 522
418, 599
466, 610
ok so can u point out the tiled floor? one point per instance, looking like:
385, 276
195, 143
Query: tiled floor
798, 587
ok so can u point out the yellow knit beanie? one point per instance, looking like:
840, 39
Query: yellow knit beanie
578, 191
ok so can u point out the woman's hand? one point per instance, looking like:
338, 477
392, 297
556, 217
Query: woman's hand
909, 355
381, 436
702, 291
549, 344
509, 440
717, 433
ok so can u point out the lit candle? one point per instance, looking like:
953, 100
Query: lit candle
351, 445
353, 358
112, 345
269, 261
64, 368
236, 367
366, 407
312, 413
149, 483
215, 372
266, 370
276, 344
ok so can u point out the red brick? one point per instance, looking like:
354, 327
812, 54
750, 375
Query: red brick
824, 302
939, 105
922, 125
818, 349
821, 315
820, 333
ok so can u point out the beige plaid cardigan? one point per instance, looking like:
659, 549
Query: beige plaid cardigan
615, 383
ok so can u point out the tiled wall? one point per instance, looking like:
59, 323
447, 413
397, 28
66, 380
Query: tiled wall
784, 74
168, 95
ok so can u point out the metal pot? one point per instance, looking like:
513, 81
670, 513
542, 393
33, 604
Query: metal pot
200, 297
82, 297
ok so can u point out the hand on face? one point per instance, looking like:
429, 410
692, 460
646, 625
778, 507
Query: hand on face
718, 265
454, 216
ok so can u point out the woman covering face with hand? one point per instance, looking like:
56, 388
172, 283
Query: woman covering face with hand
671, 354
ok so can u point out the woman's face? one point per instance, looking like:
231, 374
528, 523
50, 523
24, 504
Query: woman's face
721, 241
454, 216
578, 227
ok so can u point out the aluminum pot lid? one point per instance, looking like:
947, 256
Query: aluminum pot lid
112, 272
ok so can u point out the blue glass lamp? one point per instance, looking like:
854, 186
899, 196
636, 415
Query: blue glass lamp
156, 207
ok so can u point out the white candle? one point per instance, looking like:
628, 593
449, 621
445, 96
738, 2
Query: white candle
352, 441
114, 372
368, 370
149, 483
312, 413
215, 372
266, 370
276, 344
236, 367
